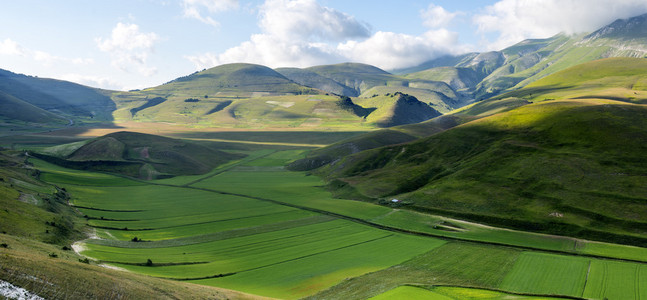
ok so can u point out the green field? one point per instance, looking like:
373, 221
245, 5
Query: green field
539, 273
251, 225
229, 229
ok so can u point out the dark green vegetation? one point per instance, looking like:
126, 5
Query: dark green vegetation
138, 155
571, 167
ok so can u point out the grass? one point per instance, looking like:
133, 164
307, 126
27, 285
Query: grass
616, 280
29, 264
308, 275
209, 233
454, 263
449, 293
504, 166
410, 292
539, 273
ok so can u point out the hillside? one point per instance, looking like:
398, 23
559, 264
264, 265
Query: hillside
37, 229
489, 74
138, 155
14, 109
520, 164
537, 167
230, 78
62, 98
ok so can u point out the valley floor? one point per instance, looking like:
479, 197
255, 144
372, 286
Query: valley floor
252, 226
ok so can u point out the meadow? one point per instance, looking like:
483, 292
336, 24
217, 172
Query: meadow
250, 225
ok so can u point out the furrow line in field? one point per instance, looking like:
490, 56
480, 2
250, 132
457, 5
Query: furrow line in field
218, 236
184, 225
417, 233
284, 261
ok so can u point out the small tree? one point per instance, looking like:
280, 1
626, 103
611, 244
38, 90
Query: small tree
149, 263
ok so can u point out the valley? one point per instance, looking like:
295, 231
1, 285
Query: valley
512, 174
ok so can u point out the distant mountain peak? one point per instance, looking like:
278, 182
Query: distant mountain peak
635, 27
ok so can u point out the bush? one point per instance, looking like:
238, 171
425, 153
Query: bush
66, 248
53, 255
149, 263
84, 260
4, 245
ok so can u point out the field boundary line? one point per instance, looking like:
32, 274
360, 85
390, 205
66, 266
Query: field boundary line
284, 261
227, 168
418, 233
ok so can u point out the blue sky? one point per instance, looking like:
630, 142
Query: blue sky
127, 44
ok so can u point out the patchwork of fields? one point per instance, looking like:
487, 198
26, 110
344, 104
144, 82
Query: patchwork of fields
193, 233
254, 227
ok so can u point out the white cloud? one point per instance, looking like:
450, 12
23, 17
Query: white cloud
436, 16
390, 50
93, 81
46, 59
11, 47
303, 33
196, 9
128, 48
271, 51
516, 20
308, 20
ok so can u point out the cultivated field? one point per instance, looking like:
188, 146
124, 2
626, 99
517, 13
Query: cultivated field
251, 225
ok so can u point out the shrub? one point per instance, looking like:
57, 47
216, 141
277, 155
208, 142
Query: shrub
149, 262
4, 245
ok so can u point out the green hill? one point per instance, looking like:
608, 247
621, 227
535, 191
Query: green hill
12, 108
519, 65
66, 99
231, 78
138, 155
568, 167
314, 80
622, 79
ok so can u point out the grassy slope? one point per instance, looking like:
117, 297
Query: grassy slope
35, 225
71, 99
521, 165
140, 155
12, 108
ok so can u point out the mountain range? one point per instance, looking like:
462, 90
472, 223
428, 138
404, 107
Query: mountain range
241, 95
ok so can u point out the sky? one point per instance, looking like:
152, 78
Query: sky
133, 44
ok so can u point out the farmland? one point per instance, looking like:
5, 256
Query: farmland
250, 225
226, 237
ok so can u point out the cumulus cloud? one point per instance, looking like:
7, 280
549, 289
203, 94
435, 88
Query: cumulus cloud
307, 19
128, 48
196, 9
94, 81
436, 16
11, 47
514, 20
303, 33
390, 50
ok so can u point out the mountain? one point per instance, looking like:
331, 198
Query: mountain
65, 100
138, 155
489, 74
308, 78
569, 165
231, 78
